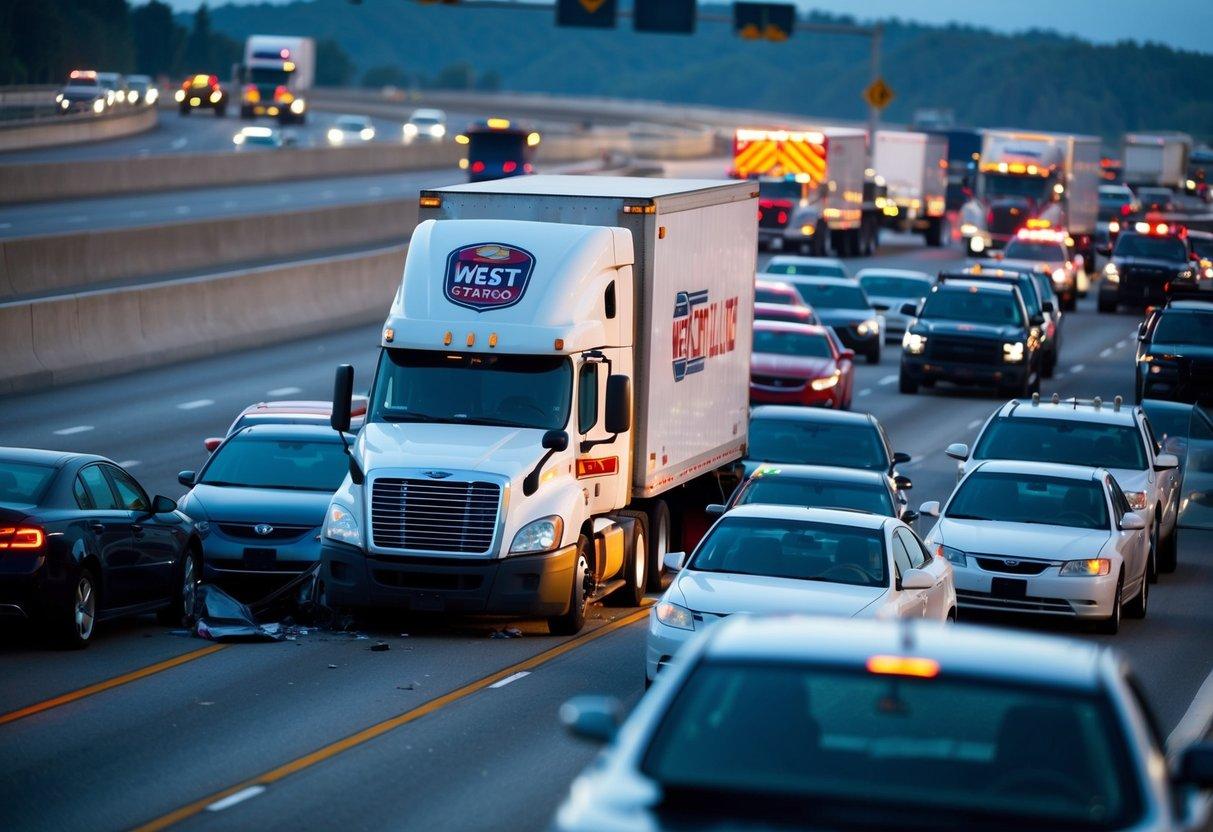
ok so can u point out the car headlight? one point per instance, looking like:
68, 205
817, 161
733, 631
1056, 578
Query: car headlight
410, 129
827, 382
298, 106
673, 615
64, 103
1113, 227
913, 343
1186, 274
238, 138
1012, 353
59, 98
956, 556
869, 327
152, 95
1059, 277
1091, 568
438, 131
1137, 499
1111, 273
540, 535
366, 133
341, 525
99, 105
977, 244
968, 229
335, 136
179, 96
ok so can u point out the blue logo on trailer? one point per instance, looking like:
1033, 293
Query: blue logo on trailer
487, 276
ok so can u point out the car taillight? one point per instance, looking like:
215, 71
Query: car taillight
21, 537
213, 81
477, 167
528, 167
1124, 210
989, 217
782, 218
509, 167
279, 91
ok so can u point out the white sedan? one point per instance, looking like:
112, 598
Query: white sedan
1044, 539
350, 130
787, 559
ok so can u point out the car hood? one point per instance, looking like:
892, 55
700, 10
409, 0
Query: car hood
968, 330
1203, 351
843, 317
487, 448
1026, 540
233, 504
725, 594
795, 366
1152, 263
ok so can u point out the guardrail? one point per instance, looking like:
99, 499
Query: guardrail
23, 134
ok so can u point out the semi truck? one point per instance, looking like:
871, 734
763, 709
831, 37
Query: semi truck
816, 180
964, 156
563, 377
914, 167
1049, 179
1156, 159
277, 72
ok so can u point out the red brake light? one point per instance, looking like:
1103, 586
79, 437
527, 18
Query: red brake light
279, 91
782, 217
509, 167
214, 81
21, 537
477, 167
760, 215
990, 217
1124, 210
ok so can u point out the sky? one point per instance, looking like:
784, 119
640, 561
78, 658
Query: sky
1184, 24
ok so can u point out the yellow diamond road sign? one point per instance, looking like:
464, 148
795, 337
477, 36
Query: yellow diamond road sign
878, 94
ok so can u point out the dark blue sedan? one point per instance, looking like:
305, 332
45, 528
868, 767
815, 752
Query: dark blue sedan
259, 502
81, 541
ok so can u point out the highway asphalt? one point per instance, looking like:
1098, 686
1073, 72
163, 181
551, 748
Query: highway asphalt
450, 728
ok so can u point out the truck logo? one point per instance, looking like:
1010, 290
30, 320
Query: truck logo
702, 329
487, 276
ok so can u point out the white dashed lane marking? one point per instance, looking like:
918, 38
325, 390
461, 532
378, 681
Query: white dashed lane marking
284, 391
865, 392
195, 404
887, 380
974, 424
514, 678
1105, 352
1078, 368
73, 430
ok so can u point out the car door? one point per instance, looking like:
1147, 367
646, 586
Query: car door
153, 544
110, 526
911, 603
1168, 481
1133, 546
939, 596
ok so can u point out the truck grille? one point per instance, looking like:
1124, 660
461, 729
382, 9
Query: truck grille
434, 516
964, 350
1144, 283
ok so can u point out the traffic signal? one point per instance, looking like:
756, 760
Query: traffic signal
669, 16
597, 14
764, 21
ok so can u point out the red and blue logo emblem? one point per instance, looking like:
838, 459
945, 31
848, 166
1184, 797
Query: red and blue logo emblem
702, 329
487, 276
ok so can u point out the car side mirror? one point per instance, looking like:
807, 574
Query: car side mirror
211, 443
186, 478
1196, 766
1037, 320
901, 458
163, 505
1048, 306
555, 440
910, 309
716, 509
1166, 462
594, 718
909, 516
929, 509
1131, 521
903, 482
673, 561
847, 354
1141, 331
917, 579
343, 391
880, 307
958, 450
618, 404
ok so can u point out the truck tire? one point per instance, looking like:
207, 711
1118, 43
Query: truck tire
635, 563
1107, 306
906, 385
570, 622
659, 537
820, 241
934, 234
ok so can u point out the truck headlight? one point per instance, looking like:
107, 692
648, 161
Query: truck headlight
1186, 274
1113, 227
869, 327
977, 244
1012, 353
540, 535
1059, 277
675, 616
913, 343
341, 525
1111, 273
298, 106
1090, 568
1137, 499
952, 554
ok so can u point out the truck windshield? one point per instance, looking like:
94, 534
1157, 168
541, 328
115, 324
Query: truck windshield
496, 145
267, 75
524, 391
1032, 187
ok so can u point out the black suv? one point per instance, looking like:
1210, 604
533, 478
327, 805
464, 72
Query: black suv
1151, 263
1042, 311
1175, 353
971, 333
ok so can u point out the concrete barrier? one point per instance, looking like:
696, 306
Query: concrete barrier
36, 266
73, 129
95, 334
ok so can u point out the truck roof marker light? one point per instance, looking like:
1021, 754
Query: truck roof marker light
430, 201
446, 339
558, 344
288, 66
498, 123
919, 668
492, 340
648, 208
471, 342
1038, 223
661, 232
285, 53
389, 334
532, 139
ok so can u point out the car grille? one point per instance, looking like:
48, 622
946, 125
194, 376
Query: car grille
1011, 566
247, 531
778, 383
434, 516
1146, 283
964, 350
985, 600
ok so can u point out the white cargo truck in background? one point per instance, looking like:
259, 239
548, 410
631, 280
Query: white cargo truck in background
914, 167
830, 214
1156, 159
564, 374
277, 72
1051, 179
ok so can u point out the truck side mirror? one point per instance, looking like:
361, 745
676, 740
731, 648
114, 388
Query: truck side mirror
618, 404
910, 310
343, 392
555, 440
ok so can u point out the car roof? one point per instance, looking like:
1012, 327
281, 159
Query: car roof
817, 415
1188, 306
766, 282
1081, 410
1051, 469
302, 407
277, 430
878, 272
960, 284
819, 472
807, 261
790, 326
1023, 265
786, 309
838, 517
972, 650
37, 456
820, 280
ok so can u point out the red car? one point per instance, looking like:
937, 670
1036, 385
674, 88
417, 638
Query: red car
785, 312
800, 364
776, 291
288, 413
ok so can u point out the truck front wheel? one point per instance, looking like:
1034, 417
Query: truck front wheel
636, 564
571, 621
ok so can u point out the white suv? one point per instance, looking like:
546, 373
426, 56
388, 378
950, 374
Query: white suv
1094, 434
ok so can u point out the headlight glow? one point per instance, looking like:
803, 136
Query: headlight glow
977, 245
179, 96
540, 535
826, 383
1137, 499
341, 525
438, 130
1091, 568
869, 327
1012, 353
298, 106
675, 616
1111, 273
968, 229
367, 133
335, 136
954, 555
99, 105
59, 98
1113, 227
152, 95
1059, 277
913, 343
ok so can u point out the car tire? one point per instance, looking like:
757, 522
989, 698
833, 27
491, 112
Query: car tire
635, 568
1069, 304
183, 110
906, 385
873, 355
1139, 606
570, 622
181, 610
1110, 626
1168, 551
76, 619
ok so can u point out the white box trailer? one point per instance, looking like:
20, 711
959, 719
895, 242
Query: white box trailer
914, 167
277, 74
1158, 159
572, 351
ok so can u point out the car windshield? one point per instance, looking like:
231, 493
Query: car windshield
1035, 251
798, 549
1185, 327
974, 754
774, 489
83, 81
1030, 498
802, 442
833, 296
800, 344
1064, 441
1044, 288
762, 295
1027, 287
523, 391
24, 483
352, 123
807, 269
496, 145
251, 461
1153, 248
770, 189
269, 76
909, 288
970, 305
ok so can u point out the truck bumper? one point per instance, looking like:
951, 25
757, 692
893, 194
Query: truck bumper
523, 585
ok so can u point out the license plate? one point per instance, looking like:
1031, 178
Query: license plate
1008, 588
260, 558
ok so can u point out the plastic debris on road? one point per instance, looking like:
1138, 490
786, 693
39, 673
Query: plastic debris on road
380, 647
220, 617
506, 632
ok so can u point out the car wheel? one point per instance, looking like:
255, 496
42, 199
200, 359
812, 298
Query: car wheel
635, 570
571, 621
1110, 626
1070, 303
77, 618
1168, 552
1139, 606
907, 385
181, 611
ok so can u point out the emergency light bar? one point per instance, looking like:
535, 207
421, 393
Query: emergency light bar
747, 134
1041, 235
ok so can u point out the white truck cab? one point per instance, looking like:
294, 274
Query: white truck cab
565, 362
